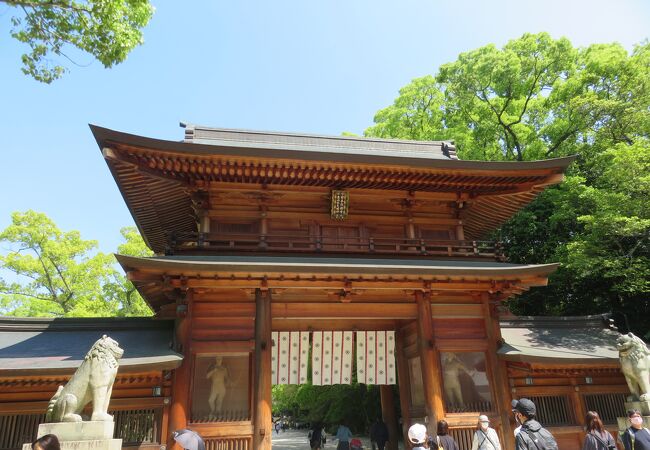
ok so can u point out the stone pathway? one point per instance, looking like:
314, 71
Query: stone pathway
297, 440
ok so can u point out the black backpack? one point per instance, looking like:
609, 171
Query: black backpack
543, 439
315, 436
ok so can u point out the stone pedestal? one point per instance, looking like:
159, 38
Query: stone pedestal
81, 435
644, 407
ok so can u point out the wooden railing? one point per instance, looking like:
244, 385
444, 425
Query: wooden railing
134, 427
553, 410
192, 242
609, 406
228, 443
463, 436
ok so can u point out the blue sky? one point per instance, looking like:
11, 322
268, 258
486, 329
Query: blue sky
305, 66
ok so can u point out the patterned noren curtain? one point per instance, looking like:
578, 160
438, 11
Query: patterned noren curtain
289, 355
331, 357
376, 357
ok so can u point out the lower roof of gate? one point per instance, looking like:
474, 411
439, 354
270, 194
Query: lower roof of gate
297, 264
154, 277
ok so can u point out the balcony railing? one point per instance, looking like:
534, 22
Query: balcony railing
201, 243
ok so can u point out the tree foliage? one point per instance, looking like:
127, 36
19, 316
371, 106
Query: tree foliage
536, 98
356, 405
106, 29
48, 272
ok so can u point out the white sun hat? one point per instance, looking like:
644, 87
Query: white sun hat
417, 434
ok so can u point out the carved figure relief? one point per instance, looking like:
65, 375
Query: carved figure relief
465, 382
220, 378
635, 364
92, 382
221, 388
453, 368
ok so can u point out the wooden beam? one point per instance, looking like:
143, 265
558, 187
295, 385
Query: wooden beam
262, 386
254, 282
388, 414
501, 389
342, 324
430, 363
179, 410
404, 383
344, 310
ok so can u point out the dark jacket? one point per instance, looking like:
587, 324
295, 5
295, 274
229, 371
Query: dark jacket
446, 442
543, 439
628, 443
598, 441
379, 432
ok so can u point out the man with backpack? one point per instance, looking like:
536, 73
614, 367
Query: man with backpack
531, 436
636, 437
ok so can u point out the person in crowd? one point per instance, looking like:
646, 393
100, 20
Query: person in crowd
418, 437
485, 437
637, 437
316, 437
597, 438
343, 435
443, 440
378, 434
47, 442
531, 436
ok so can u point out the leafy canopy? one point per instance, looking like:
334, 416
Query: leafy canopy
106, 29
536, 98
48, 272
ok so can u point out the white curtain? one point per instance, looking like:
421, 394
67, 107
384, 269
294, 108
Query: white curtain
376, 357
331, 357
289, 357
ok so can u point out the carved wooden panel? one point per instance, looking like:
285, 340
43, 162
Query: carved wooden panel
234, 443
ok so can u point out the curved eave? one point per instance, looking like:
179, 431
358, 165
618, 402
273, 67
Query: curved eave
261, 266
105, 137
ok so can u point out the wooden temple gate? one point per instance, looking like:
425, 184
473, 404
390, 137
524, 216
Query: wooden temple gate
226, 313
256, 233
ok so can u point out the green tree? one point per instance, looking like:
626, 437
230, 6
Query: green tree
106, 29
118, 289
49, 272
538, 98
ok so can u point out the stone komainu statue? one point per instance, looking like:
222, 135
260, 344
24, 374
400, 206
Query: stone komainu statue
92, 382
635, 365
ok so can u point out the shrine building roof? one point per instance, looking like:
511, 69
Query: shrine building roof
568, 340
50, 346
156, 177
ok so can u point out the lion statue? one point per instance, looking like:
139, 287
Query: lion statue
635, 364
93, 381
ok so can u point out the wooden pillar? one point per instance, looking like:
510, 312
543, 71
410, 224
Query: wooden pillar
430, 362
460, 231
404, 380
201, 206
388, 414
264, 226
578, 406
262, 384
179, 408
499, 370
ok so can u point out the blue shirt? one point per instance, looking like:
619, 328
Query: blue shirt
343, 434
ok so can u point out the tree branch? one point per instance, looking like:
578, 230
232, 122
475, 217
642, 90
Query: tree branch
37, 297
